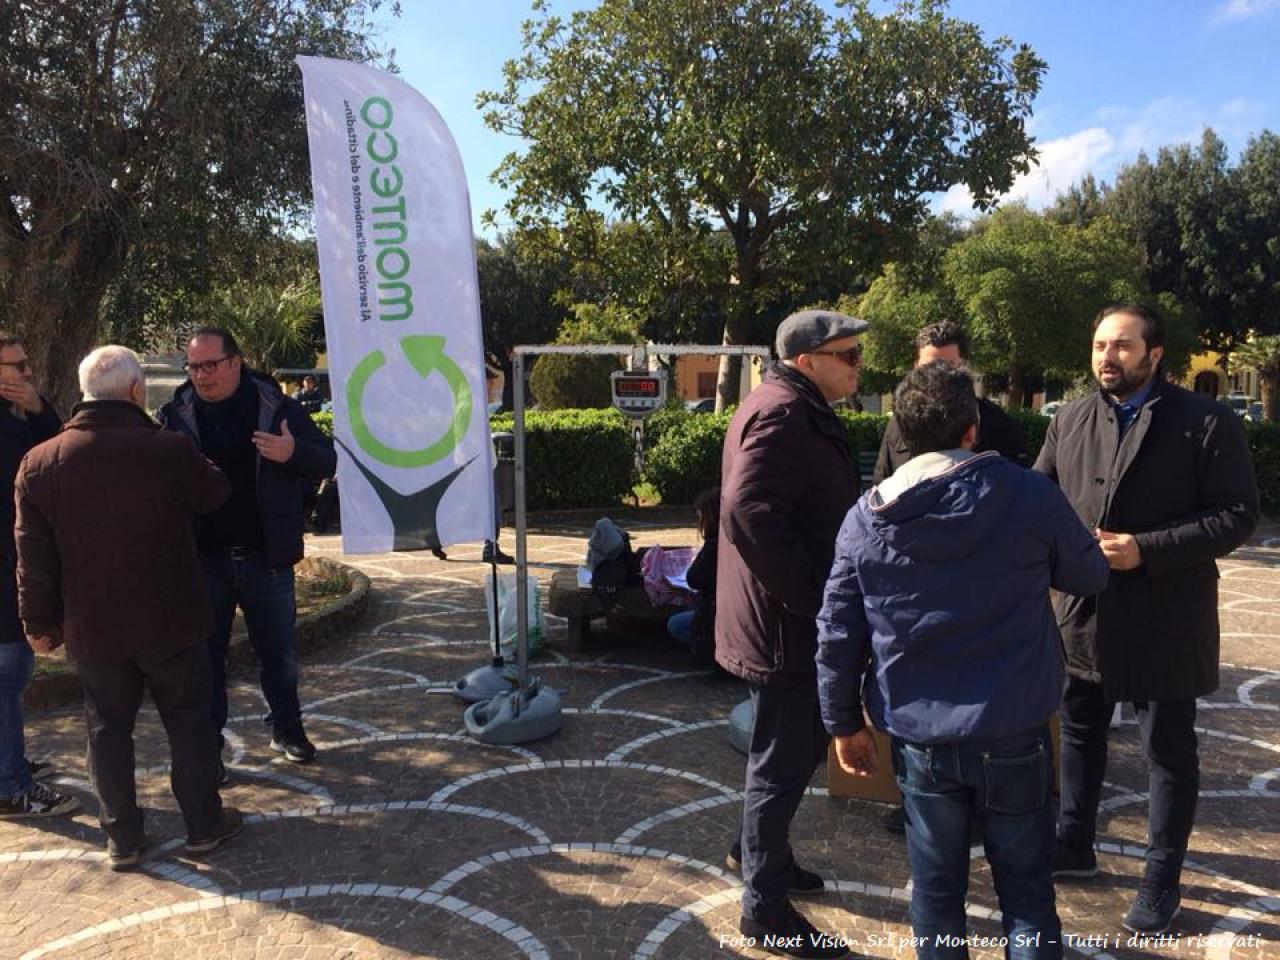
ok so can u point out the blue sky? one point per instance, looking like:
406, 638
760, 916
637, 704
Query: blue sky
1124, 76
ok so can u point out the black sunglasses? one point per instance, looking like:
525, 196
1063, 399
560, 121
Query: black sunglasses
850, 356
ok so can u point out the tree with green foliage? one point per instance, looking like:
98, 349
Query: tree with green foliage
521, 284
908, 295
811, 141
1029, 286
1081, 204
150, 144
1210, 233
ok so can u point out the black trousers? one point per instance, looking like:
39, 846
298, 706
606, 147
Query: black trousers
787, 744
180, 688
1170, 746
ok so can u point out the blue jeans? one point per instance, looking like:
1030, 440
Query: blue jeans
1008, 784
680, 626
16, 664
265, 594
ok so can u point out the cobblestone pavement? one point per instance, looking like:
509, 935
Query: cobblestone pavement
407, 838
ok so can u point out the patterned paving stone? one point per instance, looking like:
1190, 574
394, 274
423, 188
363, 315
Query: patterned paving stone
409, 839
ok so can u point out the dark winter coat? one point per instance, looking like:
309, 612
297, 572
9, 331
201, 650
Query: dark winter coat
279, 485
787, 480
1183, 483
106, 538
996, 431
17, 436
701, 576
941, 598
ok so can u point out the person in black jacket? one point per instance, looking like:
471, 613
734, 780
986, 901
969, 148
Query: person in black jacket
1164, 478
26, 419
996, 429
267, 446
697, 627
309, 396
787, 479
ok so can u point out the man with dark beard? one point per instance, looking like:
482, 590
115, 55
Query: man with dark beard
1164, 477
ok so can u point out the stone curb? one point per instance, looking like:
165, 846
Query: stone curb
313, 631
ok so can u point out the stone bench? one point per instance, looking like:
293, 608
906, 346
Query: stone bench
580, 605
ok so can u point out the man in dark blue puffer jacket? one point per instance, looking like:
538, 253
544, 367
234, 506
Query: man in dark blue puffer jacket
939, 599
267, 445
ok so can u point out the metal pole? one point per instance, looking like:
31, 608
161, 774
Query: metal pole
522, 558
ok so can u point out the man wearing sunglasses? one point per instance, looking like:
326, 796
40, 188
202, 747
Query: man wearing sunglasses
788, 478
26, 419
267, 445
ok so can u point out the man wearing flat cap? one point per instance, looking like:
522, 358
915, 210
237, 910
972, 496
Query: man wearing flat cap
787, 480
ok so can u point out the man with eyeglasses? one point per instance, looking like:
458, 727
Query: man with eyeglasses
267, 445
25, 420
787, 480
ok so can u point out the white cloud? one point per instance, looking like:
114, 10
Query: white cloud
1236, 10
1062, 162
1117, 138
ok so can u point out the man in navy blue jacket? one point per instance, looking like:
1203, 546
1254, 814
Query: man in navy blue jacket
939, 598
267, 445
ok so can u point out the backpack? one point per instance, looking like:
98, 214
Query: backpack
612, 562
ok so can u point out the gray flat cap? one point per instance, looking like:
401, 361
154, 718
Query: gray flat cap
807, 330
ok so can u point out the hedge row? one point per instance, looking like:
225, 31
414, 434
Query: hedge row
584, 458
575, 458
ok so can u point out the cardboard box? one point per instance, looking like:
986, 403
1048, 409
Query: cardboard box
883, 787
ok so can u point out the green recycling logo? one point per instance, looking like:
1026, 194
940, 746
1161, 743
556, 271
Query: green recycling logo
426, 355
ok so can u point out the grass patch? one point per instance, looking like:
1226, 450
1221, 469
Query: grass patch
312, 593
646, 494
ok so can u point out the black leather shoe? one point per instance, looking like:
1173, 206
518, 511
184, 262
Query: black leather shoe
895, 821
792, 935
802, 881
439, 554
493, 554
1069, 863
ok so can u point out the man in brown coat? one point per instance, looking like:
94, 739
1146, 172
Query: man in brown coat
787, 479
120, 583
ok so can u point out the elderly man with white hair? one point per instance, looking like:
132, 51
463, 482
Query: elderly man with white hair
107, 564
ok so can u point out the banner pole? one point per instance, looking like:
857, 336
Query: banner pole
522, 557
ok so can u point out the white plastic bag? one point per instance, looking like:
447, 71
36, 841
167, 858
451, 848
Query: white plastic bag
507, 625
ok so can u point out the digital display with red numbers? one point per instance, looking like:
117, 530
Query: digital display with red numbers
636, 387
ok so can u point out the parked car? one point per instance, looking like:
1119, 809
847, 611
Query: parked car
1052, 407
1255, 412
1238, 402
705, 405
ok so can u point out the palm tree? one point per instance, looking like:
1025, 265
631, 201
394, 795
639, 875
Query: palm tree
1262, 354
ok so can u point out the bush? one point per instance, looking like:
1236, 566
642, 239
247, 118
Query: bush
324, 420
575, 458
685, 458
1034, 427
1264, 444
864, 431
564, 382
